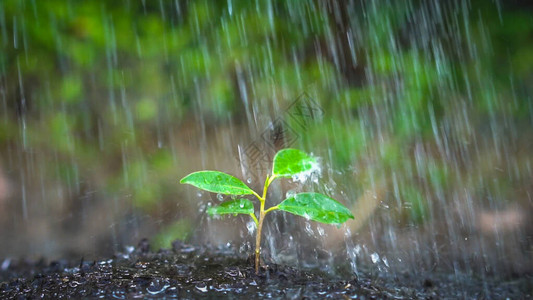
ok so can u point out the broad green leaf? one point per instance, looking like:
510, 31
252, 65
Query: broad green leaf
217, 182
238, 206
316, 207
291, 162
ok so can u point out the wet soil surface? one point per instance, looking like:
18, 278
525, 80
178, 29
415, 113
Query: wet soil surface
192, 272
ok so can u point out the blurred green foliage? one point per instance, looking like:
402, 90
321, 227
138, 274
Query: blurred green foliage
180, 229
101, 85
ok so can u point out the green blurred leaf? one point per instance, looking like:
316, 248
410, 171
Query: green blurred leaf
418, 212
179, 230
238, 206
146, 109
290, 162
60, 127
316, 207
71, 88
217, 182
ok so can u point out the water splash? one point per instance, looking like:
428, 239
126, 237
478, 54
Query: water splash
312, 174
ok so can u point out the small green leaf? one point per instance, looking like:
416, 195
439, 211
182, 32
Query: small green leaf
217, 182
316, 207
291, 162
238, 206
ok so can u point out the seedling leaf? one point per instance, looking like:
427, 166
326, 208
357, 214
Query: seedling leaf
217, 182
291, 162
316, 207
287, 163
238, 206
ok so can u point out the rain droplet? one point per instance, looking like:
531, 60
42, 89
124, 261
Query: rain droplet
290, 193
385, 261
157, 286
232, 273
202, 287
5, 264
375, 257
251, 227
129, 249
320, 230
119, 295
308, 229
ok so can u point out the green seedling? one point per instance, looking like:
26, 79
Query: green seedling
287, 163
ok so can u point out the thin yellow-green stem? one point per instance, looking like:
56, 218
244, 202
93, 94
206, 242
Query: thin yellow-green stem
257, 195
265, 187
262, 214
271, 209
258, 241
254, 218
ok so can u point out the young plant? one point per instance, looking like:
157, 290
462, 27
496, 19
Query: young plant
287, 163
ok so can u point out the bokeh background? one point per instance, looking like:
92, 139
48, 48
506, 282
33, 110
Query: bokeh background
420, 112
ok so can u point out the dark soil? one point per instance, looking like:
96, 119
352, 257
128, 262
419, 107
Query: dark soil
189, 272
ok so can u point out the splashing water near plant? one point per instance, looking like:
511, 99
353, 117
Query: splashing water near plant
288, 163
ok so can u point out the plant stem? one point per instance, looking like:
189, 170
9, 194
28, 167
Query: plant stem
254, 218
257, 195
258, 239
262, 214
271, 209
